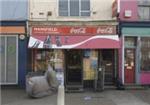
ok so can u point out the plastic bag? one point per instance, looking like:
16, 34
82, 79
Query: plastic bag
39, 86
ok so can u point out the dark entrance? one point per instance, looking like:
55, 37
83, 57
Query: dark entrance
106, 69
107, 59
74, 70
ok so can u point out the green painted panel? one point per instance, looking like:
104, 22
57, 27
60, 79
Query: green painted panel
136, 31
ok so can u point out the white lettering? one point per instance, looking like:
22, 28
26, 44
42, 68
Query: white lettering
51, 29
78, 30
108, 30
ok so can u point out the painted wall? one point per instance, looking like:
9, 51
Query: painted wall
145, 78
13, 10
22, 62
128, 5
100, 10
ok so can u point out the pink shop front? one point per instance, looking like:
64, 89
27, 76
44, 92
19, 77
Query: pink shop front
135, 53
80, 53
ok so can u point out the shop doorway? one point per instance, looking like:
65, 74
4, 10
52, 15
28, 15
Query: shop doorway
74, 69
129, 65
107, 60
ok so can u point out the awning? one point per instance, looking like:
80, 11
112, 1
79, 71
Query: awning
74, 42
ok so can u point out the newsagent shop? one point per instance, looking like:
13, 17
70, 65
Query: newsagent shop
87, 56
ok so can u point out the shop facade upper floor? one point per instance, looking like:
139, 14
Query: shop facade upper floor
134, 10
71, 10
13, 10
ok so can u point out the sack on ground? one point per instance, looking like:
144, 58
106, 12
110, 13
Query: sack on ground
51, 78
38, 86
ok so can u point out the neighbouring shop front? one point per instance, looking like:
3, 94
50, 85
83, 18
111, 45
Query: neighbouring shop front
136, 53
13, 48
87, 57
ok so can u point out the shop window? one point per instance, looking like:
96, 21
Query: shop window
144, 9
74, 7
90, 64
9, 59
42, 58
130, 41
145, 53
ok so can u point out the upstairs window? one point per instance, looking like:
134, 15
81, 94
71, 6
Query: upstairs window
144, 9
74, 7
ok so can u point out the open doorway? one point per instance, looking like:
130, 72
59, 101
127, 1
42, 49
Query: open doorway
74, 69
107, 57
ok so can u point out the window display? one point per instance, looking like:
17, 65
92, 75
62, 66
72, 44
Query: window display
130, 41
90, 64
145, 53
43, 57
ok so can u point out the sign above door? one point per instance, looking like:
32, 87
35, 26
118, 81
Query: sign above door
74, 30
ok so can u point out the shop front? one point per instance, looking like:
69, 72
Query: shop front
136, 53
13, 53
87, 57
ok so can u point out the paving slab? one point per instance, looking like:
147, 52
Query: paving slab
107, 97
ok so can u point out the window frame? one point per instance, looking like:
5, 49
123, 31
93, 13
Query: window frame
80, 11
142, 70
143, 17
143, 4
5, 70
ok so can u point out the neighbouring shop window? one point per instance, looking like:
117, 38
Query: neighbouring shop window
144, 9
74, 7
145, 53
130, 41
90, 64
9, 59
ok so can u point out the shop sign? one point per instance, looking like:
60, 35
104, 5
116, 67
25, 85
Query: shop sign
78, 30
73, 41
72, 30
12, 29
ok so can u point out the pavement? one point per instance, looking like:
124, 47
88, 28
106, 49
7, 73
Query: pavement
16, 96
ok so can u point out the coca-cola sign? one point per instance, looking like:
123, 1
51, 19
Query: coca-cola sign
108, 30
78, 30
74, 30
